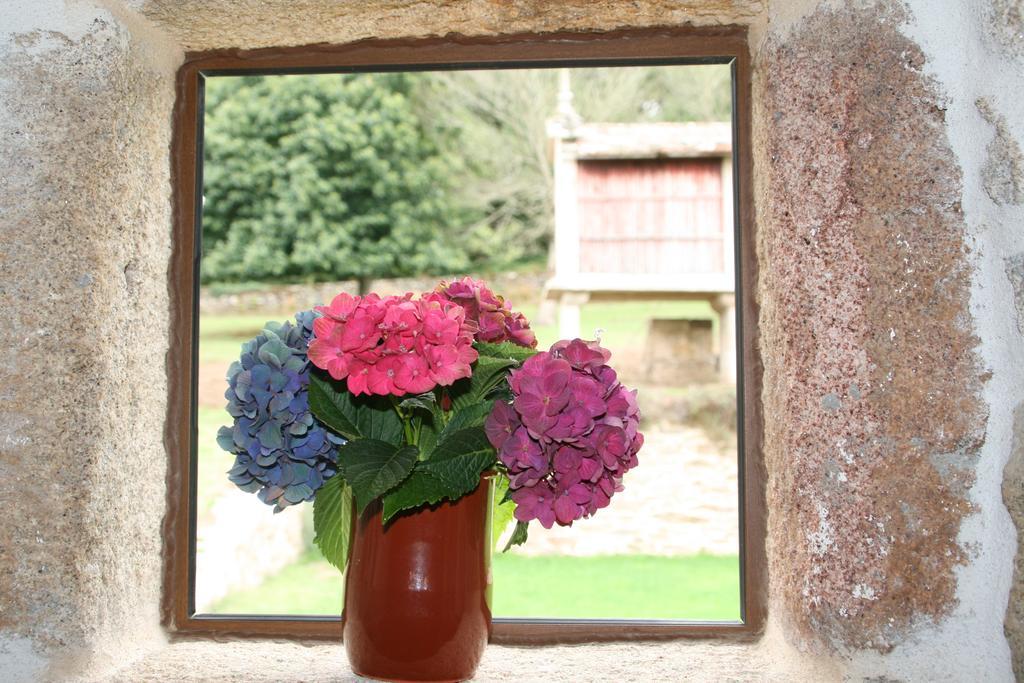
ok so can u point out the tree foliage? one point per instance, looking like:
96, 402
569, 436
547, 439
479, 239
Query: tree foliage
383, 175
323, 177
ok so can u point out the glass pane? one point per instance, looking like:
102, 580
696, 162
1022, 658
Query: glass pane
598, 201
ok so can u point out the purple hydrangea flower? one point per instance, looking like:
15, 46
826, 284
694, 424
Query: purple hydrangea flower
569, 435
281, 451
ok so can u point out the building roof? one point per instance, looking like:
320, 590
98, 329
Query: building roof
652, 140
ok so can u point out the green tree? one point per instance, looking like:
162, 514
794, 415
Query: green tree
323, 177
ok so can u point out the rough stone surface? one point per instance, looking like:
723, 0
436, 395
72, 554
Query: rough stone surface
864, 280
1005, 25
626, 662
84, 243
1003, 173
1015, 273
200, 25
1013, 497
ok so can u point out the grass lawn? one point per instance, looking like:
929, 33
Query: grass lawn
213, 463
624, 323
702, 587
698, 587
221, 336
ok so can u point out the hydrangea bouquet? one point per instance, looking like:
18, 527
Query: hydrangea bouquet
407, 400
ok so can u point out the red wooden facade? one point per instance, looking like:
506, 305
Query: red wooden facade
651, 216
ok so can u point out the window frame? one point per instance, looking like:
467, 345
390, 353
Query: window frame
630, 47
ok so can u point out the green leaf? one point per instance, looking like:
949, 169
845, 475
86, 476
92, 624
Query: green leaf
334, 408
373, 467
420, 488
501, 515
425, 401
505, 350
377, 419
507, 497
332, 520
425, 425
518, 536
354, 417
474, 415
435, 480
459, 473
427, 419
471, 441
488, 374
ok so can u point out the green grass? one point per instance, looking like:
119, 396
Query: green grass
624, 323
221, 336
218, 326
698, 587
701, 587
213, 463
309, 586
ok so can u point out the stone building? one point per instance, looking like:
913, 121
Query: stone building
644, 211
888, 194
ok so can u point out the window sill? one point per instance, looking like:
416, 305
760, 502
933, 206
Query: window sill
256, 660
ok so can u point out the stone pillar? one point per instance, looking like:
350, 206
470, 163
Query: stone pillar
85, 124
725, 307
569, 305
561, 128
873, 391
728, 222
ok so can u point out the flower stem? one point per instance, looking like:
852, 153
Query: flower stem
411, 437
410, 434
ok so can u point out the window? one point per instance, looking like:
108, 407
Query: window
673, 236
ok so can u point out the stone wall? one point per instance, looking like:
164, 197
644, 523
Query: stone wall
518, 289
888, 194
864, 203
84, 242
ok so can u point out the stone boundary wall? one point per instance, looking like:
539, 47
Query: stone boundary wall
888, 170
518, 289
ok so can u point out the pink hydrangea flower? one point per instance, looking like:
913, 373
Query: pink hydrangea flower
492, 318
569, 435
393, 345
535, 502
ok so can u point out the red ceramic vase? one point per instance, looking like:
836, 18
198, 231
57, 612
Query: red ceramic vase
418, 591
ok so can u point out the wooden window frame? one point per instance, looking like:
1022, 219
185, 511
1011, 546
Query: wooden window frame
676, 45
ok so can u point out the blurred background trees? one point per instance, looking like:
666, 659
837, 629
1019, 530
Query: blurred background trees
360, 176
324, 178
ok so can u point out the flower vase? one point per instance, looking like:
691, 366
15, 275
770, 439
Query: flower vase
418, 590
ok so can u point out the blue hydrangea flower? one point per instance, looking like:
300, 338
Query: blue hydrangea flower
281, 451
